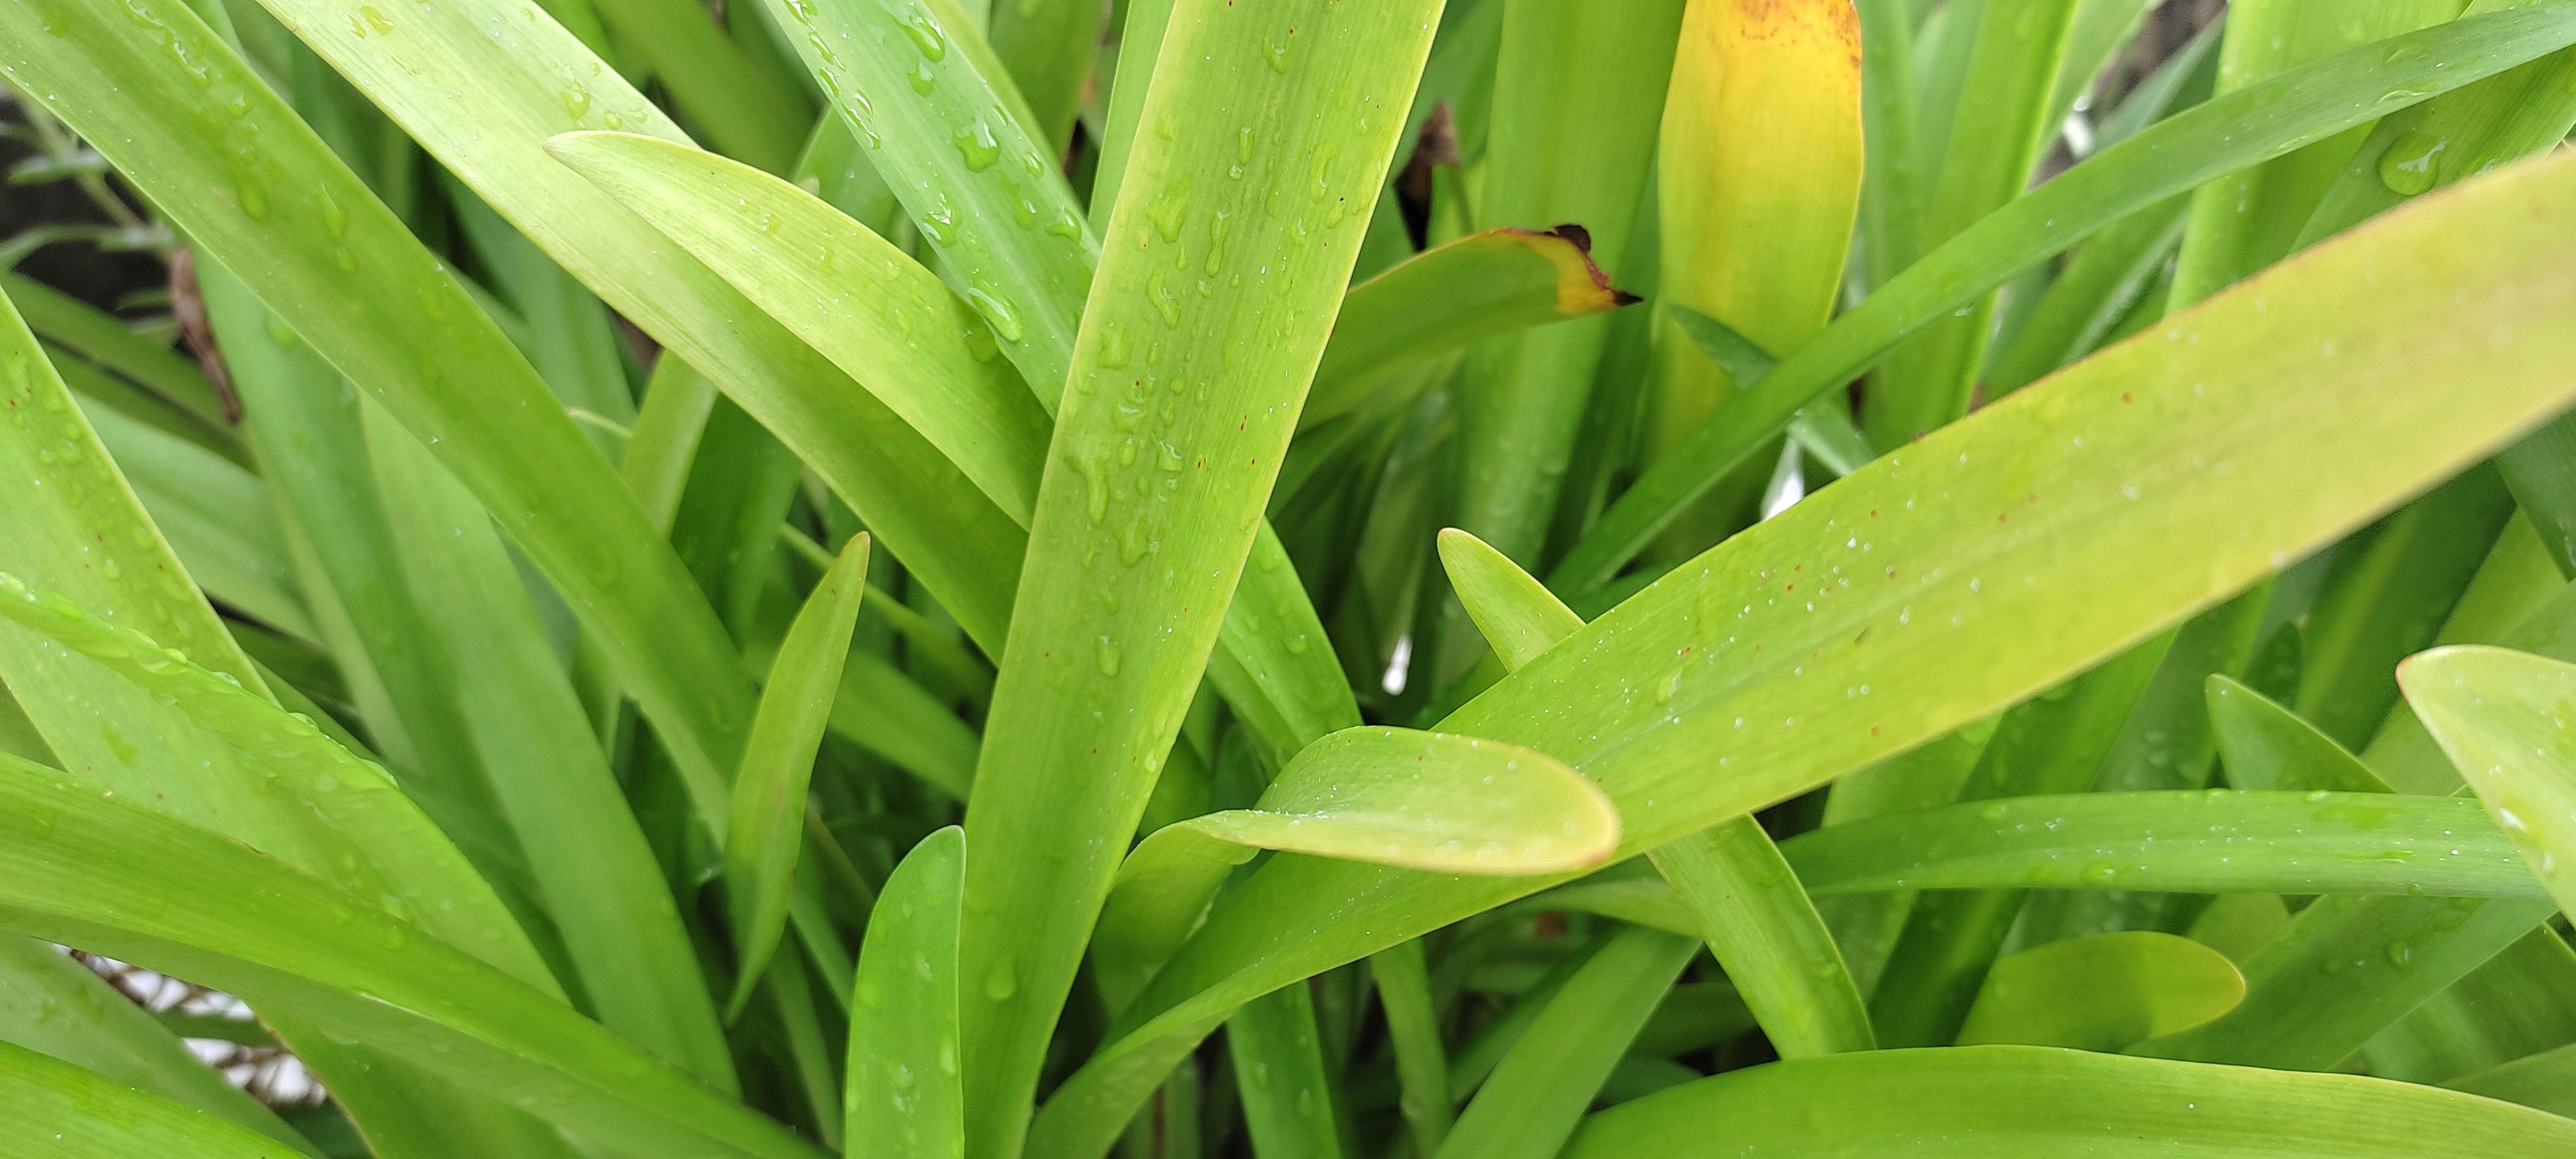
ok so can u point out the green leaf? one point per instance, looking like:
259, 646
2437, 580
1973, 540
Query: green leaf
2014, 1101
916, 345
2503, 718
2053, 744
1742, 897
2386, 956
1521, 620
588, 859
1448, 297
2183, 842
1537, 1094
768, 816
2384, 597
59, 1007
1288, 1106
205, 908
747, 111
2540, 1080
544, 83
103, 339
2214, 139
2267, 746
49, 1107
299, 228
903, 1097
78, 530
1048, 46
1385, 796
2249, 219
2102, 992
2006, 114
1578, 91
1413, 1033
1150, 508
350, 799
2068, 526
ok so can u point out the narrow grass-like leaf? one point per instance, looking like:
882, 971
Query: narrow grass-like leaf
1441, 300
2183, 842
2152, 414
747, 111
1894, 183
2052, 744
1048, 46
217, 515
769, 791
1277, 1052
2172, 157
882, 710
903, 1097
2004, 118
2102, 992
2099, 285
76, 529
1413, 1033
50, 1107
2386, 954
926, 97
1387, 796
1576, 97
57, 1006
2249, 219
588, 860
419, 345
2546, 1081
2385, 595
205, 908
1157, 477
1537, 1094
103, 339
2503, 718
2267, 746
1521, 620
1993, 1102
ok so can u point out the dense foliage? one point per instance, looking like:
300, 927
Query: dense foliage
1303, 579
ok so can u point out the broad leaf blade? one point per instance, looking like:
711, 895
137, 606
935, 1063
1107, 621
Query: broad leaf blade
2503, 717
2102, 992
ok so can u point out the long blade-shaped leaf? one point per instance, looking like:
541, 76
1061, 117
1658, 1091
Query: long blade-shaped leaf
418, 344
1731, 878
1440, 300
1387, 796
205, 908
54, 1005
2102, 992
2267, 746
1537, 1094
1158, 473
2176, 155
877, 314
904, 1100
1942, 635
49, 1107
2011, 1102
2504, 718
769, 793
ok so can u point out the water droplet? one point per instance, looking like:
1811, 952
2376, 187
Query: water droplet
925, 34
923, 79
1108, 656
576, 101
976, 144
375, 19
996, 309
2407, 167
1114, 346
